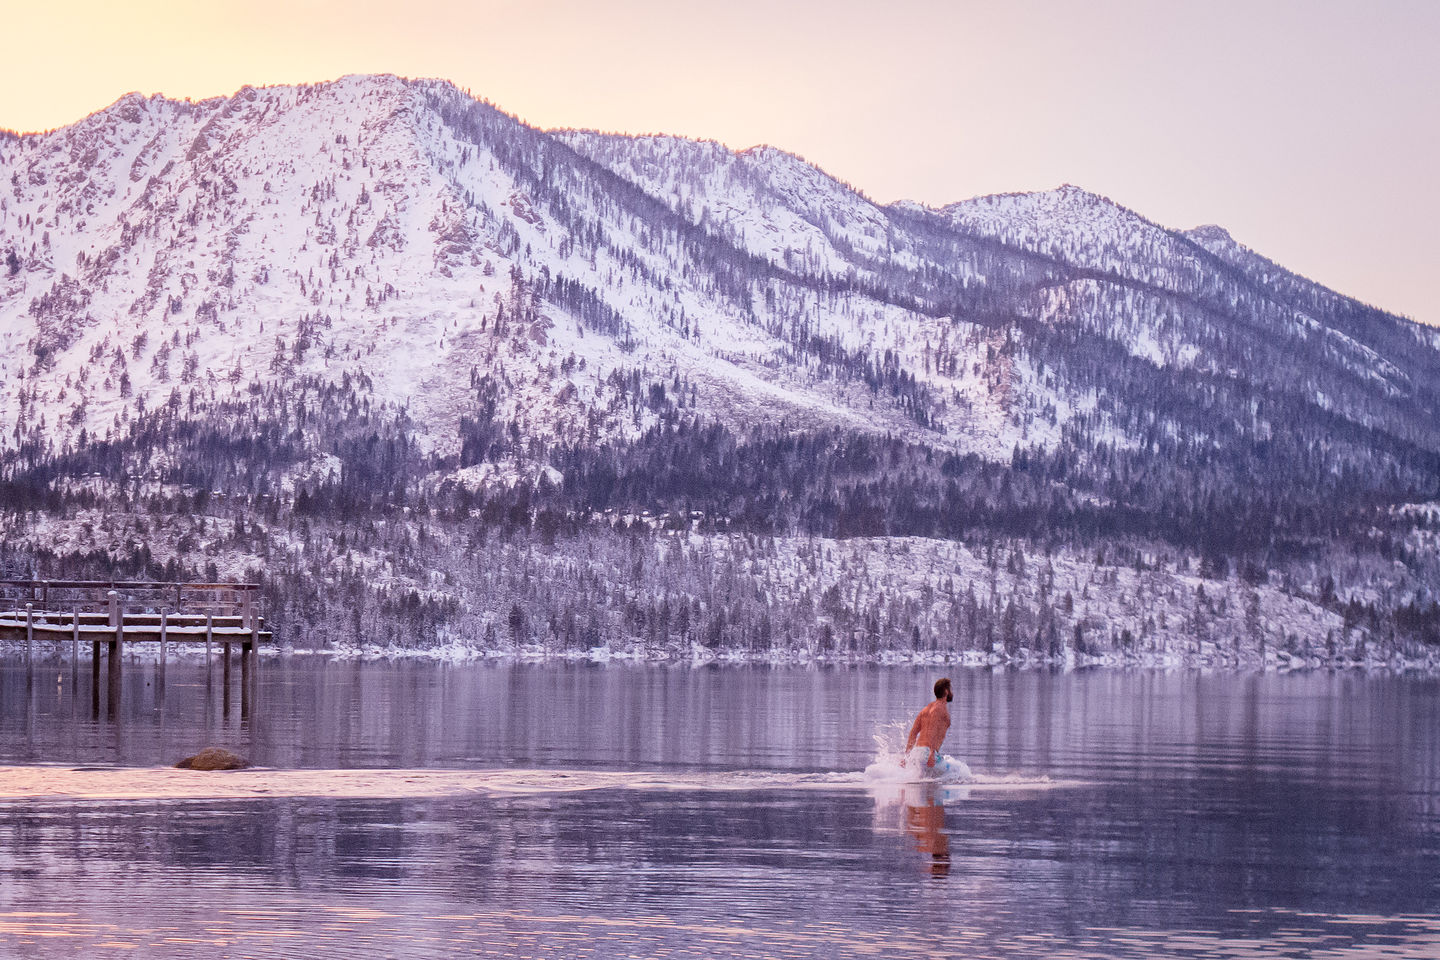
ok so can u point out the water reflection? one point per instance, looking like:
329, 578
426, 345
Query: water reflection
1157, 726
1223, 817
925, 822
917, 812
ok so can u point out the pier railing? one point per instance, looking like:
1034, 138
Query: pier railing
134, 597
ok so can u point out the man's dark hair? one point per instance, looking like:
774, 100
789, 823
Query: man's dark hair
942, 687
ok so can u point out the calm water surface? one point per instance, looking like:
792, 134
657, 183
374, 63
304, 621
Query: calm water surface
1214, 816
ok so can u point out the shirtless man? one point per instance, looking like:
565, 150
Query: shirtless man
931, 724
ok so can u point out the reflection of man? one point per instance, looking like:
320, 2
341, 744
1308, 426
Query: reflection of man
930, 726
926, 825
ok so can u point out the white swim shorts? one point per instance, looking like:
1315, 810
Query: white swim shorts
925, 757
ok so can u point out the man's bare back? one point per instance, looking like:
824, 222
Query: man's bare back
932, 723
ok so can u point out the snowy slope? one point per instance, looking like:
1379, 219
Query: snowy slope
409, 242
763, 200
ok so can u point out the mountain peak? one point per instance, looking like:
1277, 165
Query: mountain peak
770, 153
1067, 217
1072, 192
1211, 235
1037, 203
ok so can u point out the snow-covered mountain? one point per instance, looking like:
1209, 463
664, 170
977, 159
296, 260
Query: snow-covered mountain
382, 298
396, 231
405, 235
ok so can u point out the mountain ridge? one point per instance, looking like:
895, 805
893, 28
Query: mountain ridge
845, 273
139, 98
380, 300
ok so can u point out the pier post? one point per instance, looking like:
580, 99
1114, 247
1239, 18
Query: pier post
245, 655
117, 653
254, 652
225, 677
75, 651
29, 658
209, 638
95, 676
164, 652
29, 664
112, 675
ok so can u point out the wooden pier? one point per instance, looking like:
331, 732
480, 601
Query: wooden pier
107, 615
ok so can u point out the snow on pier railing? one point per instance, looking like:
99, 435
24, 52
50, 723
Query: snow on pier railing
139, 596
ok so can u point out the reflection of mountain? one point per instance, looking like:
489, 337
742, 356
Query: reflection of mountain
348, 333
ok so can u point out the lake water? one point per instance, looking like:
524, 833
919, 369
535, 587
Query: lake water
1185, 814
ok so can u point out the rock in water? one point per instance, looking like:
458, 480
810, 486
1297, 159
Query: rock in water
214, 758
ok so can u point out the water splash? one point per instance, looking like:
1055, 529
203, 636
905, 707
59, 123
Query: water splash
893, 765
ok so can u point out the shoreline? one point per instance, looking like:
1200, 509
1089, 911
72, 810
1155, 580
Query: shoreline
700, 657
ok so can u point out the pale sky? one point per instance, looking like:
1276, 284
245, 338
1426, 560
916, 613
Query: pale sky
1308, 128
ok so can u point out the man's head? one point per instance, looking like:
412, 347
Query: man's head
942, 689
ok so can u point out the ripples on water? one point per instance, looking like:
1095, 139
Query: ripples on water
1214, 816
294, 930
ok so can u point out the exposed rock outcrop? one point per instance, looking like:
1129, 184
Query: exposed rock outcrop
214, 758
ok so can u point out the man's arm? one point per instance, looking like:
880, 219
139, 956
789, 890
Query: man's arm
914, 730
